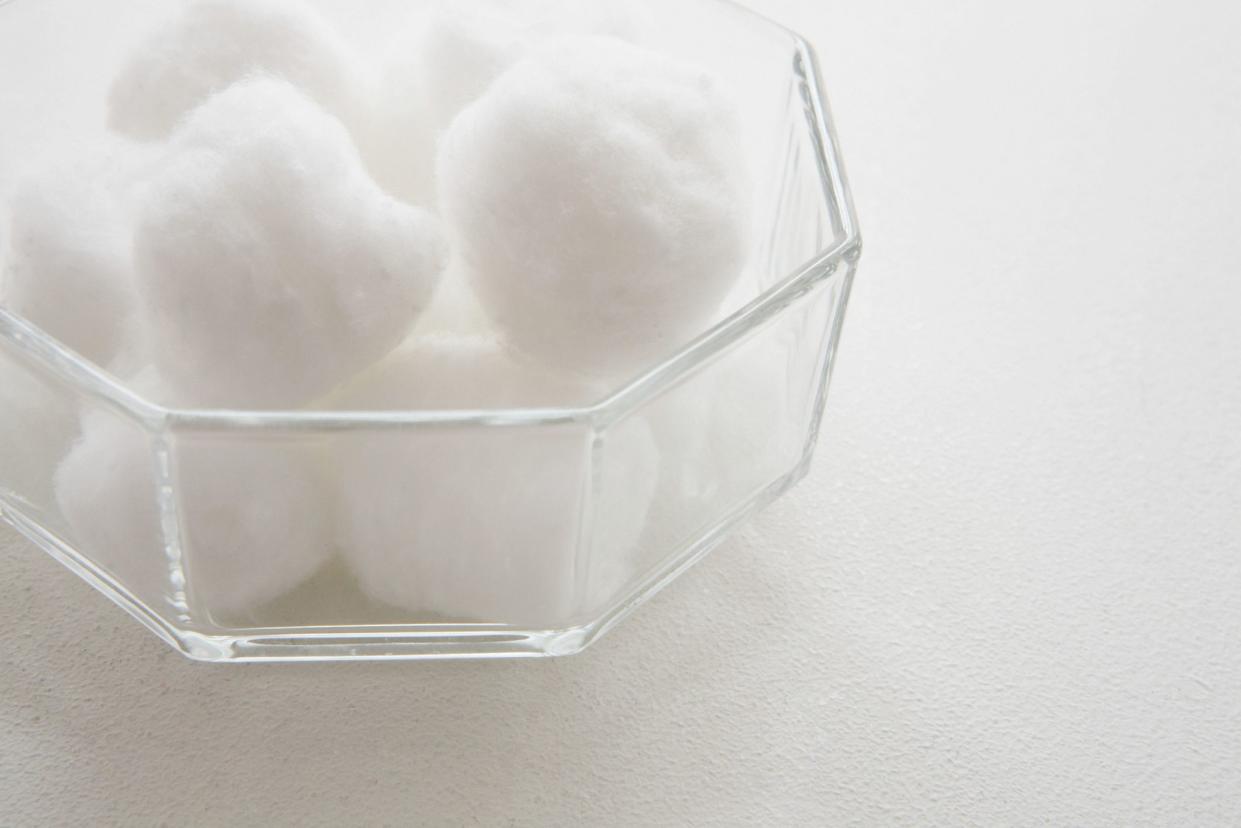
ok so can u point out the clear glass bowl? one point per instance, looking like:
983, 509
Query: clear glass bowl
573, 517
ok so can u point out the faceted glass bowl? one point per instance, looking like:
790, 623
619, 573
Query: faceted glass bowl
707, 436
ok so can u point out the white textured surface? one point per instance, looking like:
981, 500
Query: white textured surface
259, 206
642, 182
1010, 593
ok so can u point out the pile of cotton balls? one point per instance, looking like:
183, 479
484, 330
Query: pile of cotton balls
518, 205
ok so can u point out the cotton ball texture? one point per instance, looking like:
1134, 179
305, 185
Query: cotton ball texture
598, 195
213, 44
481, 524
253, 513
106, 491
271, 266
446, 58
69, 265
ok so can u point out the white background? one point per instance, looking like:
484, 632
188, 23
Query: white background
1010, 592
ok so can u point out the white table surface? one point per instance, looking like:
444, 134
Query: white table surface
1010, 592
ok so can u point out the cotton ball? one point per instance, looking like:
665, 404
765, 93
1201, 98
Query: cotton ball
213, 44
598, 195
254, 514
481, 523
69, 263
446, 59
105, 489
37, 425
271, 267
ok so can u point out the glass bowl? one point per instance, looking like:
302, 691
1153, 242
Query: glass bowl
531, 532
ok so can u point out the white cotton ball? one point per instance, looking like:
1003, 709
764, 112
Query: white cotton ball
213, 44
37, 425
270, 266
69, 263
480, 524
598, 194
446, 58
254, 516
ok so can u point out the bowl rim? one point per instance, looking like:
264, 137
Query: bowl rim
97, 383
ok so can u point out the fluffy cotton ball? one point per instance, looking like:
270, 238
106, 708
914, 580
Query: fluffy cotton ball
597, 192
270, 266
254, 516
105, 489
213, 44
69, 264
446, 59
37, 425
481, 524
